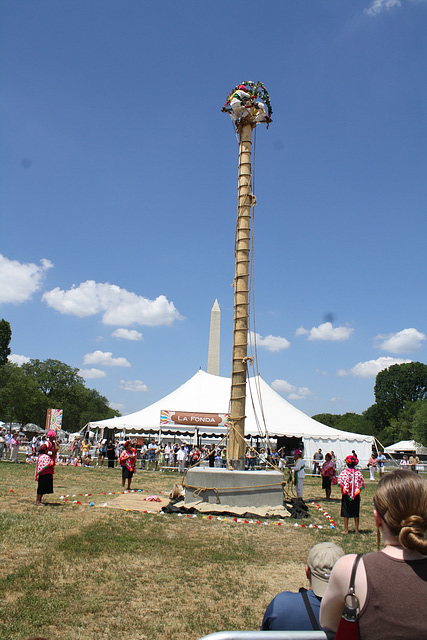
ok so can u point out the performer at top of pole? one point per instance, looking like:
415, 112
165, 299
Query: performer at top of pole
249, 103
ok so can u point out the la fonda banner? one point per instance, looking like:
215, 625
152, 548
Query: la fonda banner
189, 418
54, 419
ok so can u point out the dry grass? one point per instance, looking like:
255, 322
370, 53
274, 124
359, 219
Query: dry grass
78, 572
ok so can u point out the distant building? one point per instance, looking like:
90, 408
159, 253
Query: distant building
214, 337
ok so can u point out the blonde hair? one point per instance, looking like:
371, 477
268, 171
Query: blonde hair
401, 501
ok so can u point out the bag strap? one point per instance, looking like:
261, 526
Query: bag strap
353, 573
309, 608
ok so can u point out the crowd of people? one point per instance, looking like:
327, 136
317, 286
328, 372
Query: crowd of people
9, 445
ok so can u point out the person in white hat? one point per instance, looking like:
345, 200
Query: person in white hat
290, 611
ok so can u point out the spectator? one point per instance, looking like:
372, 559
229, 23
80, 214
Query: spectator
85, 448
102, 447
404, 463
162, 458
391, 584
381, 463
15, 443
351, 483
372, 465
299, 473
2, 443
289, 611
250, 458
414, 461
317, 458
181, 458
167, 454
327, 472
211, 456
151, 455
111, 454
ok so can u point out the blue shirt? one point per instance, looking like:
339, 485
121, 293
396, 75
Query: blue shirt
287, 612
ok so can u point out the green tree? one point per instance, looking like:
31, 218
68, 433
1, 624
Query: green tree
5, 338
329, 419
20, 396
62, 388
398, 386
355, 423
419, 423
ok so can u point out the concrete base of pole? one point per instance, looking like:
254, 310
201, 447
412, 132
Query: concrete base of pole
237, 464
235, 488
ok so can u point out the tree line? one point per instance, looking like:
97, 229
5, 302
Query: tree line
399, 411
27, 391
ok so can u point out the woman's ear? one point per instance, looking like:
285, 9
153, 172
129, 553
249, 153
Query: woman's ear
378, 519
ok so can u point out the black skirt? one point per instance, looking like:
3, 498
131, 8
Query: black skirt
126, 474
45, 484
326, 482
350, 508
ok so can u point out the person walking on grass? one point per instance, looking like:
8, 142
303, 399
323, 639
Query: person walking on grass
351, 483
372, 465
128, 464
327, 471
45, 468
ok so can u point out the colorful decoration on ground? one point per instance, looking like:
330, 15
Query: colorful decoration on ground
249, 102
155, 498
325, 513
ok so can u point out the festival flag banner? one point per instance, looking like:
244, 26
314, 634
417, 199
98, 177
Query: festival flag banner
54, 419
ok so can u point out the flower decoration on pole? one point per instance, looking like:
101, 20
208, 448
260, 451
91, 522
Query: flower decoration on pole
249, 103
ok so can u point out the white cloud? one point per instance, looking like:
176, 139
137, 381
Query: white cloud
327, 332
105, 359
382, 5
117, 406
371, 368
301, 331
133, 385
271, 343
90, 374
339, 399
18, 280
127, 334
16, 359
118, 306
405, 341
293, 393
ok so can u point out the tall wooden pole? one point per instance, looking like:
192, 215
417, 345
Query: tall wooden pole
236, 444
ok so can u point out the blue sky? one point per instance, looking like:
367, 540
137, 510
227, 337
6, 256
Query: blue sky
119, 186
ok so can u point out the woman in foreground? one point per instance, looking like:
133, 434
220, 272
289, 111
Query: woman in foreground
391, 584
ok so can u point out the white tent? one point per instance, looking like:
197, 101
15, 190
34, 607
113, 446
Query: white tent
406, 446
265, 410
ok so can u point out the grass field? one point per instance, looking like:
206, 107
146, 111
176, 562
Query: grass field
74, 571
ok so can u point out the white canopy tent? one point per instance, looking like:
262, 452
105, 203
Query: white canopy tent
266, 410
406, 446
